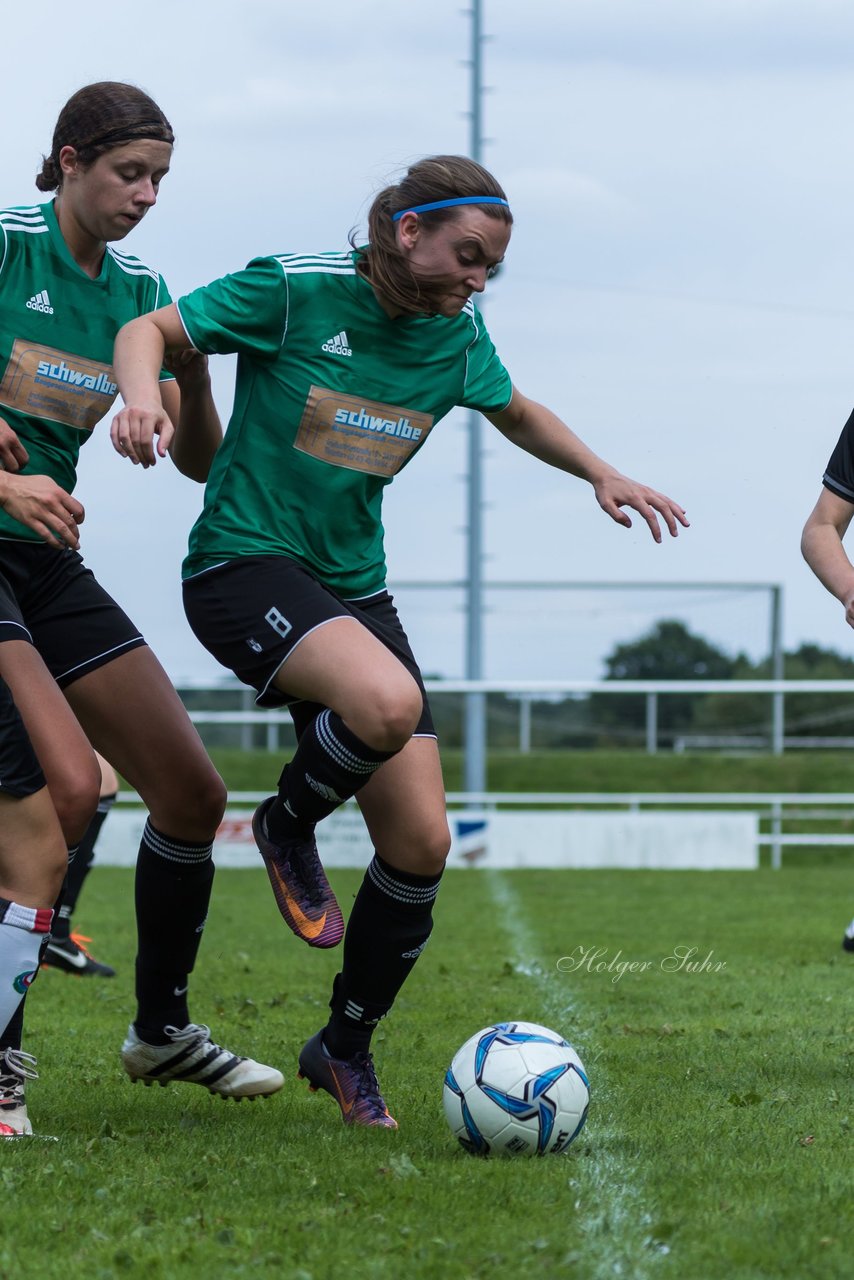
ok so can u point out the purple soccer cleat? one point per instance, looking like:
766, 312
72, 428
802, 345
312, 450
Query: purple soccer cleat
353, 1084
303, 894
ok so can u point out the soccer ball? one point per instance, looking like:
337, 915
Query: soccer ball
516, 1088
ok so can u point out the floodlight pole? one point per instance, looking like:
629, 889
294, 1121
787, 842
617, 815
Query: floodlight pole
777, 669
474, 734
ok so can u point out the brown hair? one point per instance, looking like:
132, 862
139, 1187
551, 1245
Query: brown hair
97, 118
434, 178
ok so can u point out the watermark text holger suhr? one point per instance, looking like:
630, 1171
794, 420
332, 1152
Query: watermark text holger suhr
681, 959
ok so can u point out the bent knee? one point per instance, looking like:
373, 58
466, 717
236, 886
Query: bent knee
428, 853
214, 799
54, 872
75, 798
387, 718
206, 801
189, 805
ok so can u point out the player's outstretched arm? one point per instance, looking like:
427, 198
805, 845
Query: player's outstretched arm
821, 545
190, 405
541, 433
138, 356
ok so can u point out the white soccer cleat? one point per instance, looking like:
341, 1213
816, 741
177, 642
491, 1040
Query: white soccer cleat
16, 1068
192, 1056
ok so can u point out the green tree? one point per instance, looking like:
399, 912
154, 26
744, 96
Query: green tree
668, 652
823, 715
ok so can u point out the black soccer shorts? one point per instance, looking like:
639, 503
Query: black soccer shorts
251, 613
50, 598
20, 772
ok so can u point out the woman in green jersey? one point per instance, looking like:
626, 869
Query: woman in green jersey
78, 669
346, 363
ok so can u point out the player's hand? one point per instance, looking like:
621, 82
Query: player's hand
848, 605
134, 430
13, 455
190, 368
39, 503
615, 491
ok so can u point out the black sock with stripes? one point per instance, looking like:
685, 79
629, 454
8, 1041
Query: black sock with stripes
13, 1033
329, 766
389, 926
79, 866
173, 889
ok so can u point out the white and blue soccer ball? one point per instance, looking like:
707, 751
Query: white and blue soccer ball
516, 1088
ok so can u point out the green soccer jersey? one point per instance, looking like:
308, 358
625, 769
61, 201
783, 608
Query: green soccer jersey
332, 400
57, 328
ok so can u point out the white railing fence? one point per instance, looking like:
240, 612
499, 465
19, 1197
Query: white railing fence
775, 810
528, 692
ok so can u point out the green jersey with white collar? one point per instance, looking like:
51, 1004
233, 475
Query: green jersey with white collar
57, 328
333, 399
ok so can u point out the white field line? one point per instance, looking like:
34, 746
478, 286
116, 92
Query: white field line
607, 1188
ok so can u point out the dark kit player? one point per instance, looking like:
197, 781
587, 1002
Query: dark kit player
347, 361
822, 547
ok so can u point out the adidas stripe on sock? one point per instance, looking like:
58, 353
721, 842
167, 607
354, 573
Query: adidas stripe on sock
389, 927
173, 888
329, 766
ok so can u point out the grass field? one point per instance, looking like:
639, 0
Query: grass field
719, 1142
603, 771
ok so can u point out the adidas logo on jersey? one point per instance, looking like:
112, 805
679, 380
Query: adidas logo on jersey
338, 346
41, 302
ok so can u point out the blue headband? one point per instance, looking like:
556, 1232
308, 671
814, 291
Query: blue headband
446, 204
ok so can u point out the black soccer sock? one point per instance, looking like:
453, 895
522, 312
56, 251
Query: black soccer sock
389, 926
173, 889
79, 867
13, 1035
329, 766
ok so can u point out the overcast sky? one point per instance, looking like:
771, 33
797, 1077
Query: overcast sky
678, 286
